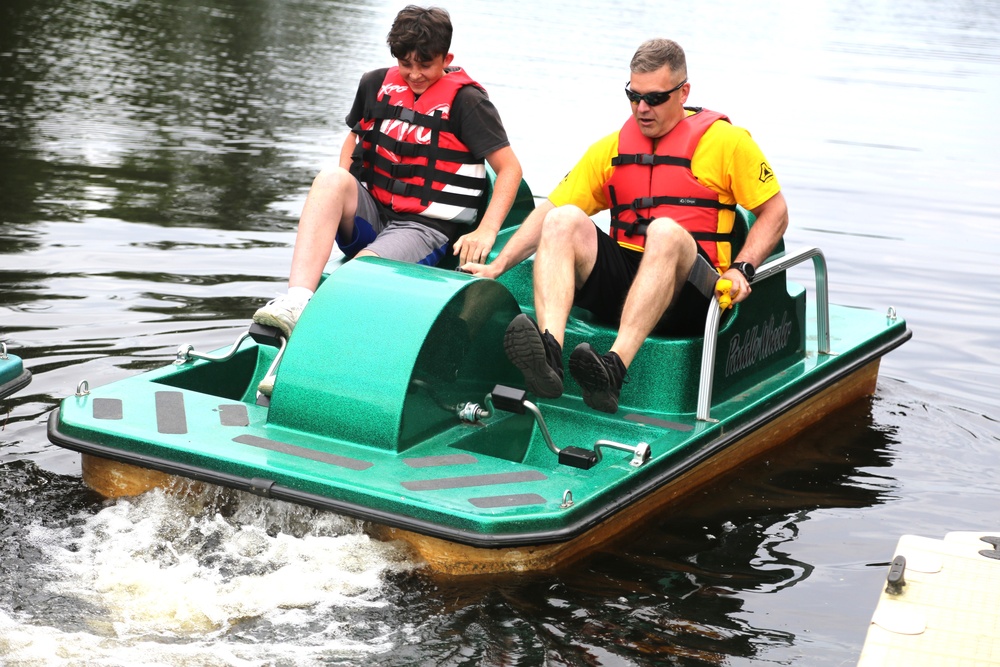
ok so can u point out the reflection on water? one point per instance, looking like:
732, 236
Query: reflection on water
180, 115
153, 159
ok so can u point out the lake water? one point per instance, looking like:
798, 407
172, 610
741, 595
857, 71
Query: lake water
154, 157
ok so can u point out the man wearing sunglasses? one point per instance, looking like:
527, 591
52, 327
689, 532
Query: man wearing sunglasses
671, 177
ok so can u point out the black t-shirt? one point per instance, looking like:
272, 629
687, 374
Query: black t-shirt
475, 120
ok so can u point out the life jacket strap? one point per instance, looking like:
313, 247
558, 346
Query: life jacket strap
407, 149
640, 225
652, 202
382, 110
416, 191
650, 160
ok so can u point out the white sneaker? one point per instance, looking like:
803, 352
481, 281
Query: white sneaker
266, 386
282, 313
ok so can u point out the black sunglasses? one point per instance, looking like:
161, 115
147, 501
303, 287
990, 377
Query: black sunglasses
652, 99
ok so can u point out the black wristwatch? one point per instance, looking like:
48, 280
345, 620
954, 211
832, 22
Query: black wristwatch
746, 268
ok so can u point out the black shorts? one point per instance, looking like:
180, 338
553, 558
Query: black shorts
614, 270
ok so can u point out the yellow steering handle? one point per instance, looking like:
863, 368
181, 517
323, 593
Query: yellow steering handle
722, 287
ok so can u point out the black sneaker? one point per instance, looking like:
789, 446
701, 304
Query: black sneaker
538, 356
600, 377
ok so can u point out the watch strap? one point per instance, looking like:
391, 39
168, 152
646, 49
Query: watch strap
746, 268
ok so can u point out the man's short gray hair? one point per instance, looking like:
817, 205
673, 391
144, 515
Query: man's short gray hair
655, 53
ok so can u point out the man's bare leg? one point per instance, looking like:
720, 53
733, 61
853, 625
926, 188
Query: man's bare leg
566, 255
670, 252
665, 264
567, 249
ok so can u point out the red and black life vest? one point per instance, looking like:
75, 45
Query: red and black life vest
408, 154
646, 185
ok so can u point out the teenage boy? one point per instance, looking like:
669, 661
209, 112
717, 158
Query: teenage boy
412, 176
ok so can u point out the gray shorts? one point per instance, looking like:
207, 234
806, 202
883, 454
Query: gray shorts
402, 240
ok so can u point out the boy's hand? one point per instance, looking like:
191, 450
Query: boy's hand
475, 246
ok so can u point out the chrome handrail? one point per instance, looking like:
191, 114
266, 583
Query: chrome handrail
777, 265
186, 353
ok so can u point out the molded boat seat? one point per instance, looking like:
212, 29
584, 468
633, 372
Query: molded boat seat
523, 204
384, 360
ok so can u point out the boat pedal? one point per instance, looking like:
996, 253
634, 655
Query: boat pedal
509, 399
514, 400
265, 335
578, 457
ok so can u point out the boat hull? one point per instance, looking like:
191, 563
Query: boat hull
113, 479
13, 376
406, 436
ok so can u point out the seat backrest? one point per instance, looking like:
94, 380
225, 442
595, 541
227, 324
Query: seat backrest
524, 203
741, 227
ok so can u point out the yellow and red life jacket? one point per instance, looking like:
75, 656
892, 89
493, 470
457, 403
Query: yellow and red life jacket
646, 185
410, 158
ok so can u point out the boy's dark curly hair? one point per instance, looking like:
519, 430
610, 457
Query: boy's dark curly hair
424, 31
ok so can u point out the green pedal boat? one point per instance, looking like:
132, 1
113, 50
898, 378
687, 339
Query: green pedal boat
394, 403
13, 375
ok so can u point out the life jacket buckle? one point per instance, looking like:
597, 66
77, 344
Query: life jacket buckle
638, 226
398, 170
646, 159
642, 202
397, 187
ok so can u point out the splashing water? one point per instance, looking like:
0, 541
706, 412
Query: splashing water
212, 577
